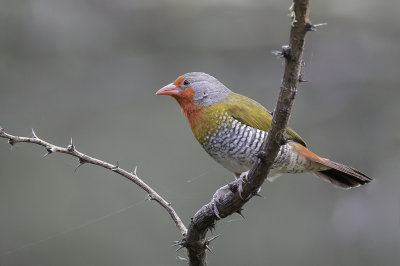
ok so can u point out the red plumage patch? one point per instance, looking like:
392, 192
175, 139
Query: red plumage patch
308, 154
189, 108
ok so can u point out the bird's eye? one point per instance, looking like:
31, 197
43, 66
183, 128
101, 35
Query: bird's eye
186, 82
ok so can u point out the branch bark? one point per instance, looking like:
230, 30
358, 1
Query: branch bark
83, 158
231, 202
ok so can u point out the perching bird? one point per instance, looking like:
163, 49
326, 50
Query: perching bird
232, 129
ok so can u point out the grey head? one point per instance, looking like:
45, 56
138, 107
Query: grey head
207, 89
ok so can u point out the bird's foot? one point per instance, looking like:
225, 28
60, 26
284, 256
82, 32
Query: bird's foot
217, 197
242, 179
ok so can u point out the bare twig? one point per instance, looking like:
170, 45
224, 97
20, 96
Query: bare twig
83, 158
231, 201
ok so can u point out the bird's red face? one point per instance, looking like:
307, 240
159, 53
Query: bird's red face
182, 91
196, 90
178, 89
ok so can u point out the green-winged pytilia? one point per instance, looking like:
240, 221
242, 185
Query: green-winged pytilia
232, 129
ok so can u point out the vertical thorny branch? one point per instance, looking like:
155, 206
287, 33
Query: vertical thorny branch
194, 238
196, 242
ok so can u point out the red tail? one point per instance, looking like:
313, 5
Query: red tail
339, 174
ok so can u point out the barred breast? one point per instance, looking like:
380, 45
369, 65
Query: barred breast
236, 145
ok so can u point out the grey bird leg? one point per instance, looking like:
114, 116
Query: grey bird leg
242, 179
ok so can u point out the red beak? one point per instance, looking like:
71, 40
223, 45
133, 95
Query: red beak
170, 89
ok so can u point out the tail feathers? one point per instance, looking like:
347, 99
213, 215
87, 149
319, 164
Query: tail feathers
338, 174
343, 176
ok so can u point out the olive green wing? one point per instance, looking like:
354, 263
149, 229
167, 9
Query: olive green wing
255, 115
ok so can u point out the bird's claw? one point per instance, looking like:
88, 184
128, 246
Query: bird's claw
242, 179
218, 195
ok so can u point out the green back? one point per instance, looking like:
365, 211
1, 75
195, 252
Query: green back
255, 115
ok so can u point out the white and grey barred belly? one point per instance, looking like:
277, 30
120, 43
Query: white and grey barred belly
236, 146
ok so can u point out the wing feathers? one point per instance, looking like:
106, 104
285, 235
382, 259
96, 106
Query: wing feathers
253, 114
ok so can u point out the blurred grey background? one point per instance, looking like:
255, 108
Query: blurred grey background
88, 69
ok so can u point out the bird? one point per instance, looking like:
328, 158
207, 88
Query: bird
232, 129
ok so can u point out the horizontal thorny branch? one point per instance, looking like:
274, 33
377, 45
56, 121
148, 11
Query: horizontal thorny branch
83, 159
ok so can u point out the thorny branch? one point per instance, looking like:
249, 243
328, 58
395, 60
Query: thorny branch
83, 158
227, 200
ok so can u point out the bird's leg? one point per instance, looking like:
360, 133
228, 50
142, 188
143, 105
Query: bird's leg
242, 178
218, 195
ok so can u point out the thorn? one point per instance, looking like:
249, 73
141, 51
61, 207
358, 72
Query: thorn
181, 247
80, 163
135, 170
291, 7
240, 213
208, 248
285, 52
11, 142
176, 243
71, 147
1, 130
301, 79
115, 167
213, 238
151, 197
313, 27
257, 193
182, 258
320, 24
181, 244
208, 241
34, 134
49, 150
277, 53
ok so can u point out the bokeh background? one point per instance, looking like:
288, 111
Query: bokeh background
88, 69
